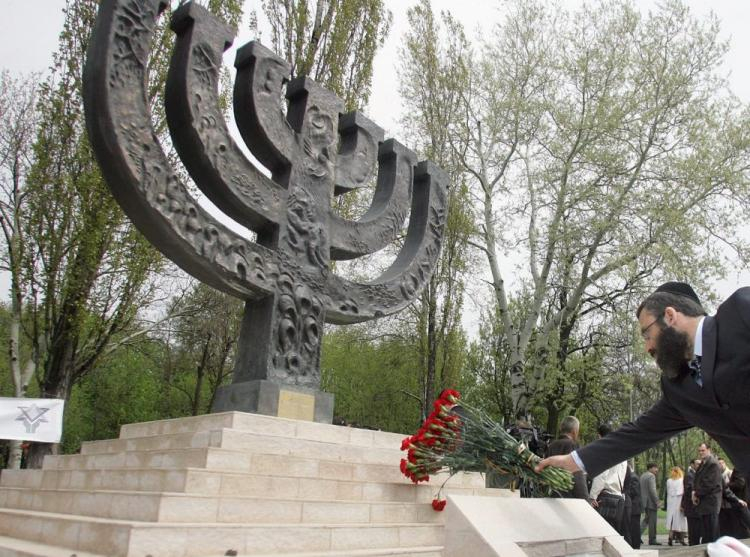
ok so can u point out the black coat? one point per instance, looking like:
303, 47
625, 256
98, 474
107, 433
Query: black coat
708, 486
687, 500
633, 487
721, 407
565, 445
735, 520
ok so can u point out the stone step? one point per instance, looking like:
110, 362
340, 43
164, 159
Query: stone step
427, 551
265, 425
225, 460
248, 443
66, 531
11, 547
238, 440
125, 538
175, 507
198, 481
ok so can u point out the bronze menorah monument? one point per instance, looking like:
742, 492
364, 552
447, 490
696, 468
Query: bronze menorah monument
312, 151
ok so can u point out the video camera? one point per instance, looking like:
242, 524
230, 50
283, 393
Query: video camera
534, 438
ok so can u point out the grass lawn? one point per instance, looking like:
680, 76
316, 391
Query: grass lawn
661, 523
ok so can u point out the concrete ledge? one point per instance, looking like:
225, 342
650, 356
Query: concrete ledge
492, 527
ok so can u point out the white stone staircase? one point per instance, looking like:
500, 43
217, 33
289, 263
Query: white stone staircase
227, 484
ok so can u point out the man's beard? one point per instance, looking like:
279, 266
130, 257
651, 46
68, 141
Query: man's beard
672, 349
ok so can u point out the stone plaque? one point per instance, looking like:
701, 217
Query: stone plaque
296, 406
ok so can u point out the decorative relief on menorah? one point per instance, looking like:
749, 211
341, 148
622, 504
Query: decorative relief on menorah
312, 151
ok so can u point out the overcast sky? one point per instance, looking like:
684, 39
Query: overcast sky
29, 31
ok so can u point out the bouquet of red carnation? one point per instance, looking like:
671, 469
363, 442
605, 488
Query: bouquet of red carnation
460, 438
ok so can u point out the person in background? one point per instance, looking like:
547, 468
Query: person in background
676, 522
688, 508
649, 502
734, 518
626, 532
726, 472
707, 493
633, 492
568, 441
606, 494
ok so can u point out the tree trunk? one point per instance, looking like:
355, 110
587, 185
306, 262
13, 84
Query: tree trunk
431, 348
21, 376
553, 417
14, 455
37, 452
61, 390
200, 372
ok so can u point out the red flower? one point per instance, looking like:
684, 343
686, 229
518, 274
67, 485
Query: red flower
405, 443
403, 467
438, 504
449, 394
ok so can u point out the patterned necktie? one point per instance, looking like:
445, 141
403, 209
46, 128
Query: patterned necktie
695, 370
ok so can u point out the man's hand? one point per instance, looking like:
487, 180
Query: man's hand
565, 462
594, 503
742, 503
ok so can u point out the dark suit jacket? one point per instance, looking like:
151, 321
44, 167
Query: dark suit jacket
634, 492
721, 407
708, 486
687, 500
565, 445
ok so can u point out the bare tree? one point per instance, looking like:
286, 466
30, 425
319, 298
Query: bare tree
18, 127
602, 147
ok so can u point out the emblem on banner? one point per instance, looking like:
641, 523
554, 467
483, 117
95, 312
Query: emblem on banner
32, 416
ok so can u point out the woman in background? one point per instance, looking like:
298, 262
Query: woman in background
676, 521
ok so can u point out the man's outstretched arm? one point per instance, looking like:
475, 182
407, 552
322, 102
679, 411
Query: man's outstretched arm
564, 461
658, 423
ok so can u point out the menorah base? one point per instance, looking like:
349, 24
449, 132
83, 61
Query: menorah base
274, 399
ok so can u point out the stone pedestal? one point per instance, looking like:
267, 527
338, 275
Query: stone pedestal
272, 399
228, 484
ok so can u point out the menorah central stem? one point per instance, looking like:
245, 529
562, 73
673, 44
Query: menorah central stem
290, 322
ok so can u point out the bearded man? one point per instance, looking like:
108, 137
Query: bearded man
705, 363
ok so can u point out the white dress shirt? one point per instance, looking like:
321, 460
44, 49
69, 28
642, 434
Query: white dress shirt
612, 480
698, 341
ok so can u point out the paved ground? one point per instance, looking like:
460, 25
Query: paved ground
663, 548
680, 550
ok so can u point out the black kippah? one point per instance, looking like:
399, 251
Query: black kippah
680, 289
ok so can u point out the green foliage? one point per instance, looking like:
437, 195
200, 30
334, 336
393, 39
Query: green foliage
333, 42
372, 380
126, 388
202, 343
86, 272
432, 70
6, 382
602, 147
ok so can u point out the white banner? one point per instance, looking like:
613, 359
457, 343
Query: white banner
31, 419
